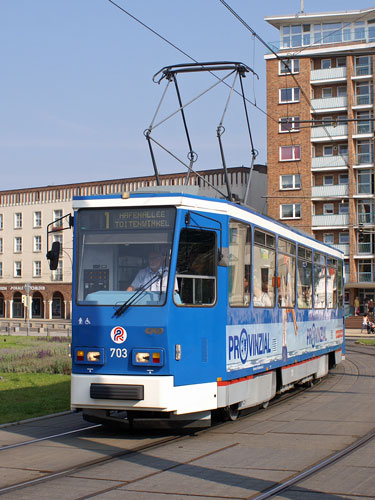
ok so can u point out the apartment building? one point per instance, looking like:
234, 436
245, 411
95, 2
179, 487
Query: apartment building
28, 289
320, 100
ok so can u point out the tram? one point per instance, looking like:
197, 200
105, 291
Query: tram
241, 307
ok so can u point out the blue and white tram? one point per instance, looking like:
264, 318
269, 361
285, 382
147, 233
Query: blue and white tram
241, 307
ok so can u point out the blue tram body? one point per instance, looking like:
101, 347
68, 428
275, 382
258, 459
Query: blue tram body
241, 307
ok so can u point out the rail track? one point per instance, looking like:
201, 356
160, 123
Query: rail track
129, 448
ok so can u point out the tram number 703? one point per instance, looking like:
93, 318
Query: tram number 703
118, 353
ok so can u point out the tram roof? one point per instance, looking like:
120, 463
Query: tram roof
189, 200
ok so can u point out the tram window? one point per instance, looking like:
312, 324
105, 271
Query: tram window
340, 283
331, 283
113, 245
239, 264
264, 264
304, 278
319, 281
196, 267
286, 263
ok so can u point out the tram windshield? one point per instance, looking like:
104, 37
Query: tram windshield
123, 254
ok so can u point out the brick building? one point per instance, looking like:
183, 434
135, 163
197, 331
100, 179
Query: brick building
320, 135
28, 289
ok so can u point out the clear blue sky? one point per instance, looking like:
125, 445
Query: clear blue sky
77, 90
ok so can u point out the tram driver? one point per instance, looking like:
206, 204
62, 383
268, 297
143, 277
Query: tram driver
155, 274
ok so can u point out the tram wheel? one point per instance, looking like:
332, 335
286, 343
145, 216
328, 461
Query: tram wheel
230, 412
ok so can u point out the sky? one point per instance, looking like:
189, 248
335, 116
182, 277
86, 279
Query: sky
77, 91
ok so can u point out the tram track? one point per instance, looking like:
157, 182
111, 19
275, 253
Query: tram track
78, 470
323, 464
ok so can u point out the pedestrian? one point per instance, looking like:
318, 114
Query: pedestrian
370, 306
356, 306
365, 323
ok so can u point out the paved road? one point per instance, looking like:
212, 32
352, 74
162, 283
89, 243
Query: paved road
232, 461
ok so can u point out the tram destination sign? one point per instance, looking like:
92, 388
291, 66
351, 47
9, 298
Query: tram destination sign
132, 219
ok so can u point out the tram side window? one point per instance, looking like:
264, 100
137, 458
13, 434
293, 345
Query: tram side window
239, 264
331, 283
286, 264
264, 264
340, 287
319, 281
304, 278
196, 267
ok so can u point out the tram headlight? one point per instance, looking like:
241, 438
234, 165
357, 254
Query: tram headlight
93, 356
148, 357
88, 355
142, 357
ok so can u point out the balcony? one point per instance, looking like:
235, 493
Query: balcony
330, 220
329, 133
329, 104
343, 247
334, 191
328, 75
339, 162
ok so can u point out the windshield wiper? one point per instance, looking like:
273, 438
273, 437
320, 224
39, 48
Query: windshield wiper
125, 306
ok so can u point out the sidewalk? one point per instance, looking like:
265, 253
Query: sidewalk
356, 332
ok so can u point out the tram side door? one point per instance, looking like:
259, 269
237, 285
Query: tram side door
196, 317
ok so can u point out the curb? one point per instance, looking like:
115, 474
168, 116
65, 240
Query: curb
36, 419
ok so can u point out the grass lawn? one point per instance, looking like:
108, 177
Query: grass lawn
366, 342
27, 395
35, 377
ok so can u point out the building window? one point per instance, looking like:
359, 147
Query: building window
37, 219
344, 208
1, 245
328, 180
290, 211
17, 220
290, 153
292, 181
58, 274
341, 62
328, 238
17, 244
327, 150
364, 152
57, 214
289, 95
328, 209
363, 65
344, 238
37, 271
1, 269
295, 35
37, 246
1, 221
326, 64
343, 149
288, 66
18, 269
343, 179
327, 93
363, 93
365, 182
365, 124
289, 124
